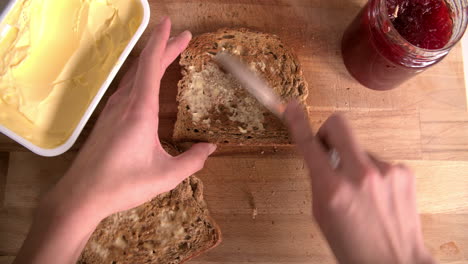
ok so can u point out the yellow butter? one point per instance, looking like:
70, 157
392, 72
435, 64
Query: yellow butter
54, 57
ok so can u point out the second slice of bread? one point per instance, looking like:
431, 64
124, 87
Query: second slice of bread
213, 107
171, 228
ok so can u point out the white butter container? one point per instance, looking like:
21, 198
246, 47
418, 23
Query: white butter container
95, 101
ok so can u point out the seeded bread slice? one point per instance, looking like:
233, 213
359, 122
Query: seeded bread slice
213, 107
172, 228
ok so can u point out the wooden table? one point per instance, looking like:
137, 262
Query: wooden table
424, 123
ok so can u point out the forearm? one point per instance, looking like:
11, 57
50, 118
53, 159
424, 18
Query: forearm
59, 232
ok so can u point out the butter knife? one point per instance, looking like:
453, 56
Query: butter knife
255, 85
260, 89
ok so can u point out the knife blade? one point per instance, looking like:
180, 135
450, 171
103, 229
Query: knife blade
260, 89
254, 84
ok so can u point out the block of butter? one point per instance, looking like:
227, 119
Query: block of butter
57, 59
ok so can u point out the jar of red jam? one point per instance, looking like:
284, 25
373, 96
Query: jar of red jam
391, 41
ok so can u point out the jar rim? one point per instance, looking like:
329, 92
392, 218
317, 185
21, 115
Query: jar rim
463, 11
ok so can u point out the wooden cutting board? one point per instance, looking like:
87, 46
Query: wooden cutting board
423, 123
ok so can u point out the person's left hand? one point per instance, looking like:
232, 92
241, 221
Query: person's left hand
123, 165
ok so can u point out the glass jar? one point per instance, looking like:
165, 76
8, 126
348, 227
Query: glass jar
380, 58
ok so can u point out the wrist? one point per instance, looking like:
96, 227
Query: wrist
68, 205
62, 225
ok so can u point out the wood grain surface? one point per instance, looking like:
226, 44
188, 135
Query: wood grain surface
424, 123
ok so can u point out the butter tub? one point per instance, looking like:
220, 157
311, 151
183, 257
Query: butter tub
57, 59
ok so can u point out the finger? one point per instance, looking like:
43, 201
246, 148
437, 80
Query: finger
174, 47
157, 43
382, 166
125, 86
314, 154
147, 76
126, 83
402, 187
193, 159
337, 134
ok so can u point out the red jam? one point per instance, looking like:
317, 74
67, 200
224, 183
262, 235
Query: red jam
378, 54
426, 24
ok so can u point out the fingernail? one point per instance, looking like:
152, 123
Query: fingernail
186, 33
212, 148
163, 19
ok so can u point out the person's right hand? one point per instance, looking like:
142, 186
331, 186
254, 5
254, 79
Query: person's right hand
366, 208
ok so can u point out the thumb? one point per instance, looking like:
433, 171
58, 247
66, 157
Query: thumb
193, 159
311, 148
298, 124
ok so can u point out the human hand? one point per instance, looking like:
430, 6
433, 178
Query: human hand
123, 165
366, 208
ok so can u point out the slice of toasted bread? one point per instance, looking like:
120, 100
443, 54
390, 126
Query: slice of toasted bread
172, 228
213, 107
